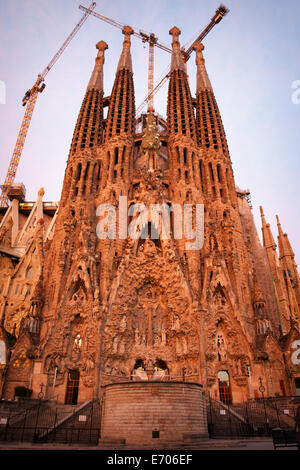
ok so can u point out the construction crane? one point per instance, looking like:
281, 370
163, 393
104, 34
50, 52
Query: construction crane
218, 16
145, 37
29, 101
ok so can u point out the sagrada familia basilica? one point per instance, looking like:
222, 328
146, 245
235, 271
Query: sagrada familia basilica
81, 312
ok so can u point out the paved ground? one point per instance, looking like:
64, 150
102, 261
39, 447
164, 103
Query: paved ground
209, 444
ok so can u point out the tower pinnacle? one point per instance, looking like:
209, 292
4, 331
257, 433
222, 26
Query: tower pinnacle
89, 126
125, 59
284, 246
96, 80
181, 119
203, 81
266, 232
121, 112
176, 61
210, 130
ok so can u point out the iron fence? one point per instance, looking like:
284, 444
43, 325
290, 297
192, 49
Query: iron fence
250, 419
48, 422
45, 422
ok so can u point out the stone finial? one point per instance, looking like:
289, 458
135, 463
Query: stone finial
127, 31
175, 32
101, 46
96, 80
177, 60
268, 239
125, 59
203, 81
285, 248
198, 48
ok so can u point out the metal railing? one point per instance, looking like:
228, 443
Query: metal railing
47, 422
253, 418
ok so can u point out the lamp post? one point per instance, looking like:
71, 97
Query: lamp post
262, 390
41, 393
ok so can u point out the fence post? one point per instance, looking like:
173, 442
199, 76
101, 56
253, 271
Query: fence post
229, 418
23, 430
72, 428
277, 412
91, 424
55, 426
247, 415
35, 435
210, 425
7, 424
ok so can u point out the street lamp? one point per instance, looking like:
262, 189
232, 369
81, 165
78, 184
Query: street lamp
262, 390
41, 393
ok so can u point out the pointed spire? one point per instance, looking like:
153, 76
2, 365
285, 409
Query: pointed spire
176, 61
89, 126
210, 130
203, 82
181, 119
266, 232
284, 245
96, 80
121, 112
125, 61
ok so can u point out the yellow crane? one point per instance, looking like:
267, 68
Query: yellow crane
29, 101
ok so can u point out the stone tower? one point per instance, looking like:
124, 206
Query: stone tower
154, 270
71, 272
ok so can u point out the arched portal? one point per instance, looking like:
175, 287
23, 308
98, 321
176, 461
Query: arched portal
224, 387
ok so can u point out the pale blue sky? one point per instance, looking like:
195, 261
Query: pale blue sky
252, 58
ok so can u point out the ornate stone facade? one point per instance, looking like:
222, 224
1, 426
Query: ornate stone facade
117, 308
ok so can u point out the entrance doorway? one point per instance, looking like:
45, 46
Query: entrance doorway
224, 387
72, 387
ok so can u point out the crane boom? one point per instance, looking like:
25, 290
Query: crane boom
29, 101
68, 40
218, 16
145, 37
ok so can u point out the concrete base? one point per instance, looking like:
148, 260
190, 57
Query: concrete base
144, 413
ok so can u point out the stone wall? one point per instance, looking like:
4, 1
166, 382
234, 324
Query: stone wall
153, 412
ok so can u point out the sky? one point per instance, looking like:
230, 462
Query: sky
252, 58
